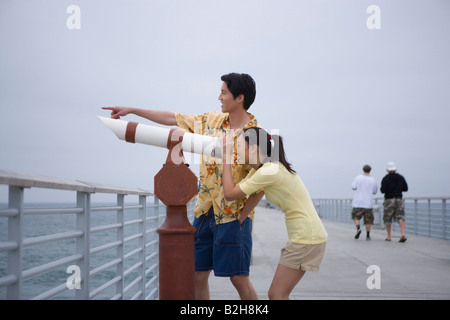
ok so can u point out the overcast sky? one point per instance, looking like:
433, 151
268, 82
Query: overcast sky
342, 95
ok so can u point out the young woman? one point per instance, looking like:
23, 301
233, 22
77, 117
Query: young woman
283, 187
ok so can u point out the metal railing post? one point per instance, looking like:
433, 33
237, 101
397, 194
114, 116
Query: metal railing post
142, 244
15, 234
416, 226
376, 213
157, 212
444, 222
335, 209
120, 248
429, 217
83, 243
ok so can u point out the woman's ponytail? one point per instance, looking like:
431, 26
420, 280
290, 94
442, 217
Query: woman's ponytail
278, 151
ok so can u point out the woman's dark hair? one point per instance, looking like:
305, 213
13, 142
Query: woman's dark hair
260, 137
241, 83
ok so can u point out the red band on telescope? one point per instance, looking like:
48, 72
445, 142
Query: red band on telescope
130, 133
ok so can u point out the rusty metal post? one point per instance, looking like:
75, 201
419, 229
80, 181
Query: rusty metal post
175, 186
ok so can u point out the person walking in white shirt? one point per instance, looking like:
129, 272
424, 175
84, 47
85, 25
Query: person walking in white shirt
362, 205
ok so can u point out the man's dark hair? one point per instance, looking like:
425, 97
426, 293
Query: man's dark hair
241, 83
367, 168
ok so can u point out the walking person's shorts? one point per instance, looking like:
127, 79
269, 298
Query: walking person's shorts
394, 209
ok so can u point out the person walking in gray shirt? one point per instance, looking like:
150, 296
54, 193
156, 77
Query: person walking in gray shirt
362, 205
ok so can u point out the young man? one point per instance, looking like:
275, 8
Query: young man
365, 186
392, 185
222, 244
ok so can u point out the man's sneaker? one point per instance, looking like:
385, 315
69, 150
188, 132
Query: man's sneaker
368, 238
357, 234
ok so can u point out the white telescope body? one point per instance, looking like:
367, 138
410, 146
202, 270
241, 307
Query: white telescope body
157, 136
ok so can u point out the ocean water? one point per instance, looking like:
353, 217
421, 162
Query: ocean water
40, 225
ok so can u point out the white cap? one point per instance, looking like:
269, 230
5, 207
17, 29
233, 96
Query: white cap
391, 166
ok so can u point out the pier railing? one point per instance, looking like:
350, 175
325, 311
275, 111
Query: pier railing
425, 216
93, 251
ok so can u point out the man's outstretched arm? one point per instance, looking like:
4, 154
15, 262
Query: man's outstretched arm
159, 116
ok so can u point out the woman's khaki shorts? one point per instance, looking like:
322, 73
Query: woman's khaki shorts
306, 257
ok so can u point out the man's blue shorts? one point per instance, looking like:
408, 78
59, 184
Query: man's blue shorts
225, 248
